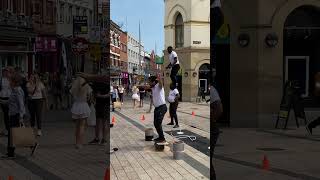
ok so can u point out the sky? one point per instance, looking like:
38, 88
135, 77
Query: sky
151, 16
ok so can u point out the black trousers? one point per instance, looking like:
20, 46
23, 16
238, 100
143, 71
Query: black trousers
36, 111
174, 71
13, 122
121, 97
159, 113
5, 110
315, 123
173, 112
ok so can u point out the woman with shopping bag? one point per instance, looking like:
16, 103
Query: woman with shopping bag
81, 92
16, 111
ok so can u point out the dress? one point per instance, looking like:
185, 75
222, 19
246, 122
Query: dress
80, 108
135, 95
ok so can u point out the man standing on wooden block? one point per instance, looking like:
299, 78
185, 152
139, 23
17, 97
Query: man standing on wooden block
159, 102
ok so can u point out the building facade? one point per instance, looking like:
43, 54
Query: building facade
16, 34
46, 45
135, 69
115, 62
124, 58
267, 48
187, 30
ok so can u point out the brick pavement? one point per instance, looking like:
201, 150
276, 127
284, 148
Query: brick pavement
56, 157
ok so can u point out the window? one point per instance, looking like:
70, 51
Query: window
70, 15
77, 11
90, 18
50, 10
10, 5
179, 31
61, 18
84, 12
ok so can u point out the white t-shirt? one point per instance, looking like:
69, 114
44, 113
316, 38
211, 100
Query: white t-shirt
6, 89
173, 55
172, 95
121, 90
158, 96
36, 92
214, 95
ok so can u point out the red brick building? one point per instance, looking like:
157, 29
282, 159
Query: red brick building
124, 58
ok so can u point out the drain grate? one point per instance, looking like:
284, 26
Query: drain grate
270, 149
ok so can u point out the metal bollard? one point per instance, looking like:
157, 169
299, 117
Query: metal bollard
149, 134
178, 150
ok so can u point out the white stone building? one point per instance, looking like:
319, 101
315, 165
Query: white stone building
187, 30
133, 56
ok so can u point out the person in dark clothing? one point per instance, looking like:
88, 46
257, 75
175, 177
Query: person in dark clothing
142, 93
173, 99
174, 65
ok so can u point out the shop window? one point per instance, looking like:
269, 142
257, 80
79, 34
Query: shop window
70, 15
50, 12
179, 31
61, 19
77, 11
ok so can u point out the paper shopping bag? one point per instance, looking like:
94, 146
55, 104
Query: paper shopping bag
23, 137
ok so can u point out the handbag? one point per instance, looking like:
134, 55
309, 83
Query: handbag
22, 136
117, 104
91, 121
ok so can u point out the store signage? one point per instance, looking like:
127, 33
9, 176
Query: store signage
80, 25
46, 44
80, 45
196, 42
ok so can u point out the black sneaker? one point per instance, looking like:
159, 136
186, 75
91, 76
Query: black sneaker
176, 126
103, 142
170, 123
309, 129
159, 140
95, 141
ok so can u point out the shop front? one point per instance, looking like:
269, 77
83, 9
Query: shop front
46, 59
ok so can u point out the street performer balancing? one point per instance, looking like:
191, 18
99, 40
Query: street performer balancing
174, 65
159, 102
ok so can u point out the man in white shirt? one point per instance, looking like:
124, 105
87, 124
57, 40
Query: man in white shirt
173, 100
159, 102
174, 65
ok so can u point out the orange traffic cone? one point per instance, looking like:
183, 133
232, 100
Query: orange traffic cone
193, 114
265, 163
113, 120
143, 118
10, 177
107, 174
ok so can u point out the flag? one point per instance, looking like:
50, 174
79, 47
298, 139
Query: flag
221, 30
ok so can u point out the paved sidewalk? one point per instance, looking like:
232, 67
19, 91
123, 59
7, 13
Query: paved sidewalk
56, 157
137, 159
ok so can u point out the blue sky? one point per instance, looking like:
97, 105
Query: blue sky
151, 15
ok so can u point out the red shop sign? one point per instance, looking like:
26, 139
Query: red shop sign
80, 45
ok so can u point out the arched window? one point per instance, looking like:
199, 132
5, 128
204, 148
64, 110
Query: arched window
179, 35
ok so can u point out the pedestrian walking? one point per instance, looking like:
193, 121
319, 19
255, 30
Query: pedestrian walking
57, 91
159, 102
135, 96
16, 110
5, 92
173, 99
37, 100
121, 93
174, 65
114, 96
142, 93
81, 92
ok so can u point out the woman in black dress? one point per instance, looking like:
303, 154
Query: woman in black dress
142, 93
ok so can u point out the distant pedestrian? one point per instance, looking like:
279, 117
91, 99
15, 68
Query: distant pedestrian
159, 102
57, 91
121, 93
81, 92
5, 92
114, 96
37, 101
16, 110
173, 99
142, 93
174, 65
135, 96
